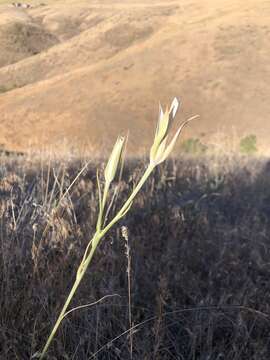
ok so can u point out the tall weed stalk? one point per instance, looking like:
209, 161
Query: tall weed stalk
159, 152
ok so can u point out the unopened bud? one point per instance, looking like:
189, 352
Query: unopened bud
114, 160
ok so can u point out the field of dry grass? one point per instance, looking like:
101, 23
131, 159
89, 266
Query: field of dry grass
198, 237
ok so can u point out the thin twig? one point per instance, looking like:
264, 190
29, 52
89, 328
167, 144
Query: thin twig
201, 308
125, 236
91, 304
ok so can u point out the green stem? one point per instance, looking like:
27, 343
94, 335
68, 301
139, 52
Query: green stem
120, 213
61, 316
102, 206
77, 282
87, 258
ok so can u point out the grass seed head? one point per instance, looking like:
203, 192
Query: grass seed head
159, 149
114, 160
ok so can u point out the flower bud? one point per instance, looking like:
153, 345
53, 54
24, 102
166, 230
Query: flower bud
114, 160
163, 126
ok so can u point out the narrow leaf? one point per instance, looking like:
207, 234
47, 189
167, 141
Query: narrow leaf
174, 139
127, 209
174, 107
100, 203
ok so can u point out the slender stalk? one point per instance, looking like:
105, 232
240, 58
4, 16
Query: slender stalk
69, 298
102, 206
159, 152
61, 316
128, 202
86, 260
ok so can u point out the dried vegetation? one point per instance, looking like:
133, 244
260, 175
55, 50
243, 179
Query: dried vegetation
199, 247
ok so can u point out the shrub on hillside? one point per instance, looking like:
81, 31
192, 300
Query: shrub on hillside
193, 146
248, 145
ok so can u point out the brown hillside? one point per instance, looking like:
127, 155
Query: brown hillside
21, 36
101, 68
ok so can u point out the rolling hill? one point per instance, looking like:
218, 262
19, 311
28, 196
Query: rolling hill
75, 74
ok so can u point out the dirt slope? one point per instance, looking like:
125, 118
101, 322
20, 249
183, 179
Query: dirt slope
106, 65
21, 36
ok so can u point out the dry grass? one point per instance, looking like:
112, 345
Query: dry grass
113, 59
198, 238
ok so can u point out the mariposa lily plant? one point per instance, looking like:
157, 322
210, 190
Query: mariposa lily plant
159, 152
